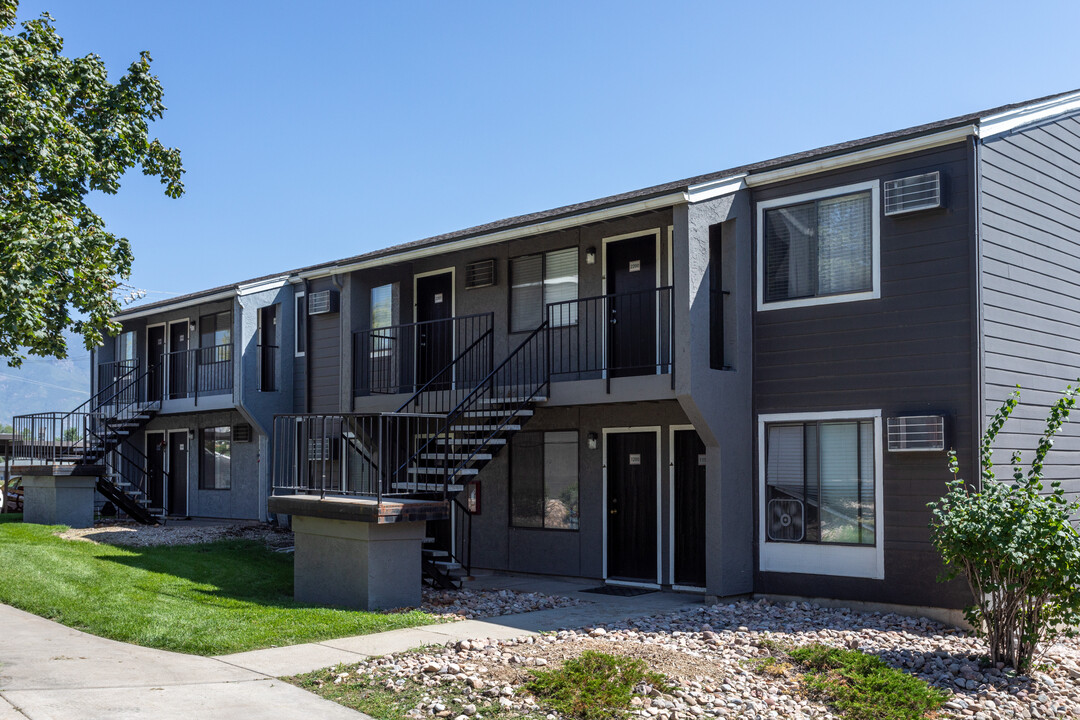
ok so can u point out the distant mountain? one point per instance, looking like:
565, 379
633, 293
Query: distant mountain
45, 384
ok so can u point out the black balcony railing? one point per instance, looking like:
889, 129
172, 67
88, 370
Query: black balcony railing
268, 361
199, 371
373, 455
404, 358
612, 335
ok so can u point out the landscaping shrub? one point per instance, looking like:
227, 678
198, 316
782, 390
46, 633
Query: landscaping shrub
1015, 545
864, 687
593, 686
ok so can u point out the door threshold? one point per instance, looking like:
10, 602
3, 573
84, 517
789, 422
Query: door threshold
632, 583
688, 588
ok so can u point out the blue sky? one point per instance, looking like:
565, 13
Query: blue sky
316, 130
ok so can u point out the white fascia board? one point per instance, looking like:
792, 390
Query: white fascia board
859, 157
263, 285
677, 198
1028, 115
716, 188
223, 295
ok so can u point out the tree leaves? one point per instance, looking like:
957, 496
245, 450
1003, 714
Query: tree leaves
1015, 544
65, 130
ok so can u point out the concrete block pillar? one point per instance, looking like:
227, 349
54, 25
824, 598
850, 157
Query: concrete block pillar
59, 500
362, 565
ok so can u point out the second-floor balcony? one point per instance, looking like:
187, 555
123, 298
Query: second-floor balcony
596, 338
183, 375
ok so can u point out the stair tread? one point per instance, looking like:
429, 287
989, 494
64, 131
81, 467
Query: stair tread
425, 470
455, 456
426, 487
518, 399
470, 441
485, 428
498, 413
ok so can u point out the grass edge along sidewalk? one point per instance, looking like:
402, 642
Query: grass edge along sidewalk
214, 598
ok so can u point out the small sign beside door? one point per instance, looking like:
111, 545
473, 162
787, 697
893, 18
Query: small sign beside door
635, 265
635, 458
701, 460
438, 298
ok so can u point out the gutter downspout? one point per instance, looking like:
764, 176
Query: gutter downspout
978, 380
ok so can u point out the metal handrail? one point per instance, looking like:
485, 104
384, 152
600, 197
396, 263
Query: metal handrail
427, 387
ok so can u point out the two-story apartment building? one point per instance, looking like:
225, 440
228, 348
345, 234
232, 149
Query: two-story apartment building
740, 382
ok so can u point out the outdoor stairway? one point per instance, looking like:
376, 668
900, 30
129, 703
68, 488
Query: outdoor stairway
102, 424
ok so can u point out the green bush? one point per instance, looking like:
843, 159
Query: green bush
593, 686
864, 687
1015, 545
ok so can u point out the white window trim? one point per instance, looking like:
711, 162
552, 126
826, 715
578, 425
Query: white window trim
875, 229
816, 558
296, 325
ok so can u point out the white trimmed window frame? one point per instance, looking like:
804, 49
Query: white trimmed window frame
823, 558
874, 186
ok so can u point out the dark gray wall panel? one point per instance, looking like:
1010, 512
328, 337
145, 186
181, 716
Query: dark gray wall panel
324, 356
1030, 245
908, 352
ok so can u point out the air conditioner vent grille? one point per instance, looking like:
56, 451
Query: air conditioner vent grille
241, 433
480, 274
322, 302
916, 433
914, 193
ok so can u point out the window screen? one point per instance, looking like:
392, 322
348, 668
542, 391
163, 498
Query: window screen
821, 477
819, 248
216, 463
536, 281
544, 482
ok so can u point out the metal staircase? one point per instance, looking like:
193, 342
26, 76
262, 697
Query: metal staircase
95, 434
432, 447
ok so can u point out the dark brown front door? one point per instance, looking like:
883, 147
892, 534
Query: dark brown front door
155, 470
178, 467
688, 463
434, 335
631, 506
631, 280
178, 359
155, 350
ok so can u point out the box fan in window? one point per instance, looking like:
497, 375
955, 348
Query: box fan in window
785, 520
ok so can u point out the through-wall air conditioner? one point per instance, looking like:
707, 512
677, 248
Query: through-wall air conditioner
916, 433
480, 274
914, 193
323, 302
786, 521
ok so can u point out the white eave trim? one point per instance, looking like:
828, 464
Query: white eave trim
662, 201
716, 188
263, 285
879, 152
1027, 115
157, 310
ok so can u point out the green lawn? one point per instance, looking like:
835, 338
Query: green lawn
208, 599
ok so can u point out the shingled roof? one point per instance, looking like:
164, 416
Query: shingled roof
616, 200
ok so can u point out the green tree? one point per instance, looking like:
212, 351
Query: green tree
65, 131
1015, 544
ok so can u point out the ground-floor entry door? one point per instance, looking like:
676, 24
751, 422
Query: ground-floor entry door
434, 336
155, 470
178, 472
688, 495
631, 506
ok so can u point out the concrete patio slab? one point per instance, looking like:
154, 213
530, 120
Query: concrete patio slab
8, 711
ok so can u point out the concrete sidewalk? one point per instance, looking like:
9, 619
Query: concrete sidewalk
51, 672
600, 609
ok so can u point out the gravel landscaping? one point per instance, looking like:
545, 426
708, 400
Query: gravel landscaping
709, 655
470, 604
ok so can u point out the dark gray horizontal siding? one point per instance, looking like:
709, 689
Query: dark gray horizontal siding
1030, 225
908, 352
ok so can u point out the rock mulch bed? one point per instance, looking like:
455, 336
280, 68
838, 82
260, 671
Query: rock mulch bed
471, 604
181, 533
708, 654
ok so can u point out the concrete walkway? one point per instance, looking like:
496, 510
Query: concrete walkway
51, 672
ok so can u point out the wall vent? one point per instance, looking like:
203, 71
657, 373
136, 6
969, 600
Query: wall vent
916, 433
323, 302
480, 274
241, 433
911, 194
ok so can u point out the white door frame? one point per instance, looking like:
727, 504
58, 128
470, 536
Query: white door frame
671, 510
657, 233
453, 314
164, 463
656, 429
169, 469
169, 349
